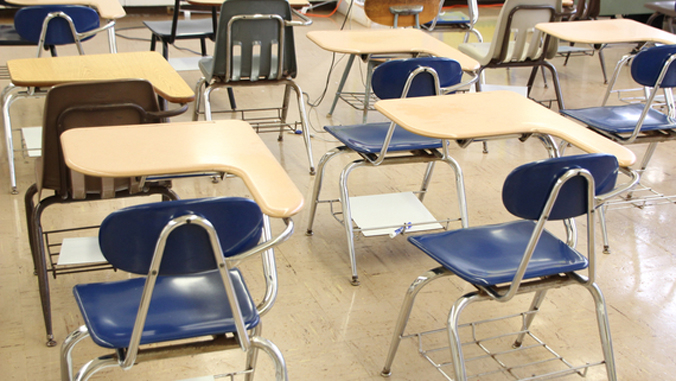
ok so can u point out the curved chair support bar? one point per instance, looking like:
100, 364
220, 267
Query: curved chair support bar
634, 178
275, 354
474, 78
109, 25
283, 236
318, 182
405, 311
306, 21
67, 349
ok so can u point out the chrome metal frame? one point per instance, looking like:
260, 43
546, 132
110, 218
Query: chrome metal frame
248, 341
517, 286
427, 156
625, 196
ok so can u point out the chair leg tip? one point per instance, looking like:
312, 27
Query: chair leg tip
386, 372
50, 341
309, 232
355, 281
312, 171
606, 249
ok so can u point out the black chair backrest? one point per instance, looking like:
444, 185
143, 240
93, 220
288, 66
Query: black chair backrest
254, 38
90, 104
527, 188
587, 10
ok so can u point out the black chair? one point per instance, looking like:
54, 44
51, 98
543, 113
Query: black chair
255, 47
167, 32
78, 105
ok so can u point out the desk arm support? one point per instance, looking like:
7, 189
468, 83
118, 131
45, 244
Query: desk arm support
109, 25
164, 114
634, 178
474, 77
305, 20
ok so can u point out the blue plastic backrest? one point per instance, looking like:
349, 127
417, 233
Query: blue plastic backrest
390, 77
527, 188
128, 236
648, 63
28, 23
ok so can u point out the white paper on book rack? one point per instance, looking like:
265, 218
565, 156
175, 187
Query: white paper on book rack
185, 63
32, 138
75, 251
391, 209
521, 90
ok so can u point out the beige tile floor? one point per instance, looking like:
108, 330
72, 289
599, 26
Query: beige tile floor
326, 328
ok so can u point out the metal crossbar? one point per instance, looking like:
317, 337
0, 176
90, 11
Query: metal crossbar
496, 354
53, 242
356, 100
640, 197
264, 119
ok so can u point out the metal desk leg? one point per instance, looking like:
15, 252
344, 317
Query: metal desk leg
342, 83
7, 100
112, 42
367, 89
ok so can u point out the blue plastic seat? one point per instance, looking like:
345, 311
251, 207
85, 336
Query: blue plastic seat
638, 123
189, 289
507, 259
388, 83
386, 143
57, 24
649, 122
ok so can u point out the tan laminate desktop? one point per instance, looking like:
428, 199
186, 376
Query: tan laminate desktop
613, 31
51, 71
107, 9
464, 116
230, 146
217, 3
388, 41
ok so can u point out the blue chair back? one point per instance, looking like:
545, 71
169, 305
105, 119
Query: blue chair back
127, 237
389, 78
648, 63
527, 188
28, 23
